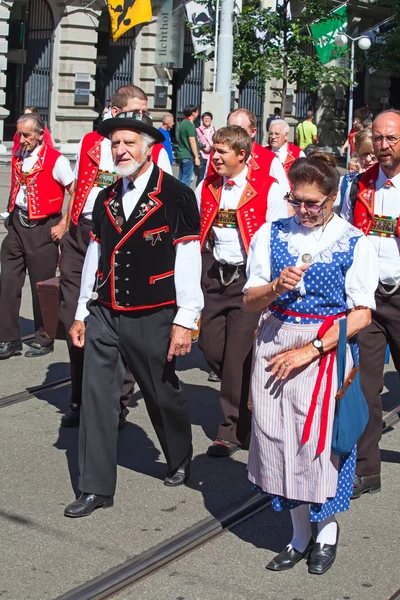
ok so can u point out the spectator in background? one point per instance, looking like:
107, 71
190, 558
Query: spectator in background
363, 112
274, 117
204, 135
353, 168
367, 124
188, 146
106, 114
306, 132
357, 126
167, 124
47, 135
364, 150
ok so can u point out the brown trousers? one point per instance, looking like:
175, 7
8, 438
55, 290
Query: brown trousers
384, 329
25, 249
226, 339
73, 247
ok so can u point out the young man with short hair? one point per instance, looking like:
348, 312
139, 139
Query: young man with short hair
188, 146
307, 132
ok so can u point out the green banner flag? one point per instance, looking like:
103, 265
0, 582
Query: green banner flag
326, 31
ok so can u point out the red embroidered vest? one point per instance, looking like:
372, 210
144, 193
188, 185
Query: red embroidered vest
293, 153
365, 200
45, 195
250, 212
88, 169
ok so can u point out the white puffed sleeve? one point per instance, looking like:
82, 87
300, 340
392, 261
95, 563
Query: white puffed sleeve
258, 268
363, 276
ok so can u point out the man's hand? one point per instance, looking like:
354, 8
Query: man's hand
58, 231
181, 341
197, 162
77, 333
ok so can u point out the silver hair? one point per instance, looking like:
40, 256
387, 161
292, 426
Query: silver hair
148, 140
285, 125
38, 124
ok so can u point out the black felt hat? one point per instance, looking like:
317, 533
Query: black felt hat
132, 119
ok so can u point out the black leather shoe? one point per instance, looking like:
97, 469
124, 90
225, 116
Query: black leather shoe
369, 484
71, 418
213, 377
86, 504
322, 557
122, 418
222, 448
287, 559
8, 349
181, 474
38, 350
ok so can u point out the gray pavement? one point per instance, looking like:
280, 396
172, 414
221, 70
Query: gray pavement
43, 554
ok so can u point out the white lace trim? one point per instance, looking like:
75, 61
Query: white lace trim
340, 245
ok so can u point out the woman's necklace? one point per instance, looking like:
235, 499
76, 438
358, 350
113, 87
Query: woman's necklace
324, 225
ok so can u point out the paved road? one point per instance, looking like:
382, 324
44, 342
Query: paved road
43, 554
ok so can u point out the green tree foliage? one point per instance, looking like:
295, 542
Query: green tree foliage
269, 45
385, 50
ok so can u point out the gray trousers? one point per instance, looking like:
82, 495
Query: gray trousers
140, 341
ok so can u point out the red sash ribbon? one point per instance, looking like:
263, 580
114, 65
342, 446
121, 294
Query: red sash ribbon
325, 368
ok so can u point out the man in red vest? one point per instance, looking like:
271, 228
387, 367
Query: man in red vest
285, 152
373, 205
234, 202
39, 178
94, 170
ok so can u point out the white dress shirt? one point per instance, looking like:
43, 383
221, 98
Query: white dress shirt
62, 173
387, 203
278, 172
360, 283
282, 153
187, 271
228, 243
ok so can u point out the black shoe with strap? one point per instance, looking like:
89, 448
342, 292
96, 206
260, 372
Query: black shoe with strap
37, 350
369, 484
222, 448
213, 377
86, 504
8, 349
289, 557
322, 557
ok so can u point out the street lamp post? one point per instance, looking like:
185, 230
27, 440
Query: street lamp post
364, 43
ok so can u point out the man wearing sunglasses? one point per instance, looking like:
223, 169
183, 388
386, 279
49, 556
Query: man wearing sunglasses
94, 171
278, 143
373, 205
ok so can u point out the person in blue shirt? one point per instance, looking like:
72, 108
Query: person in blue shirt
167, 124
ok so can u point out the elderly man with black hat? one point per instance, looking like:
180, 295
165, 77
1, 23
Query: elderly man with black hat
142, 262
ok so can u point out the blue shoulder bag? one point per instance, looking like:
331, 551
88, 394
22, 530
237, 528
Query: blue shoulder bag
352, 412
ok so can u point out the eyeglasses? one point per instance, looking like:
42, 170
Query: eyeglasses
310, 206
391, 139
276, 134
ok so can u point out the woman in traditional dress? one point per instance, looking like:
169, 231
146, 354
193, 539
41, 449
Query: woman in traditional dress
306, 272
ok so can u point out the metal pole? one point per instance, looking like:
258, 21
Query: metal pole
225, 53
351, 89
216, 45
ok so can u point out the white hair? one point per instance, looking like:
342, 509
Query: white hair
284, 124
148, 140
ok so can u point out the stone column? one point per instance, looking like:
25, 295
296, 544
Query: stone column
74, 52
4, 16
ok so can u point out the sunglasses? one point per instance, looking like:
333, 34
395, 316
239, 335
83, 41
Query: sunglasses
311, 207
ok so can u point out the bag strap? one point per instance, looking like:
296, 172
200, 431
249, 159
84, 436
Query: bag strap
341, 353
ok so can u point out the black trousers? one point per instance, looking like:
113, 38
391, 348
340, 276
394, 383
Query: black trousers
73, 248
384, 329
112, 340
226, 339
25, 249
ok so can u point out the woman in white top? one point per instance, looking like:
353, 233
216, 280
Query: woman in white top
305, 271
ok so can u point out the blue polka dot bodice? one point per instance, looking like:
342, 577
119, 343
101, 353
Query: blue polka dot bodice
323, 292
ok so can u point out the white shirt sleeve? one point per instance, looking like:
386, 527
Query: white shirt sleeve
361, 283
278, 172
189, 296
347, 212
62, 171
277, 207
198, 191
90, 267
258, 269
163, 161
78, 155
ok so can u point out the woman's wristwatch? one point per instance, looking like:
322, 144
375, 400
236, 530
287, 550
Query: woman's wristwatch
319, 346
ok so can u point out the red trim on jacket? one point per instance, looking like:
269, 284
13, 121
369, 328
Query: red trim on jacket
293, 153
89, 161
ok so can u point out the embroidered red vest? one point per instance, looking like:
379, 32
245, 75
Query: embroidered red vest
89, 167
45, 195
293, 153
251, 210
365, 200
